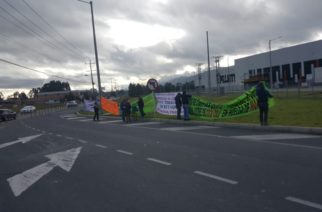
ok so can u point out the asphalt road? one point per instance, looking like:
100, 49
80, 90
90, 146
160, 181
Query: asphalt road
63, 162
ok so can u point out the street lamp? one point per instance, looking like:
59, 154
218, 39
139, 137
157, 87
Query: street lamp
270, 60
96, 54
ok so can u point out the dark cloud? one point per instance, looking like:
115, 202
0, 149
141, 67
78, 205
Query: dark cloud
235, 28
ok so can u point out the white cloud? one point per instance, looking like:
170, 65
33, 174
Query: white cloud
132, 34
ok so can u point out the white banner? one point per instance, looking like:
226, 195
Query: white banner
89, 105
166, 104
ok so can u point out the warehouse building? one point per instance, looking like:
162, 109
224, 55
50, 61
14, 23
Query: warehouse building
290, 66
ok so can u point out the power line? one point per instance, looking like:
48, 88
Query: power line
31, 69
40, 29
24, 27
50, 26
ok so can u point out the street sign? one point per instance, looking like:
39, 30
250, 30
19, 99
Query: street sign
152, 84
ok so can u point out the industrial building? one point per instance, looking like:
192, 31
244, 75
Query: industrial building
299, 65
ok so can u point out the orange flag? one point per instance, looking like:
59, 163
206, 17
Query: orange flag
110, 106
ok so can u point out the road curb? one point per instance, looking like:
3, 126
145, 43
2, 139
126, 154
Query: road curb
273, 128
249, 126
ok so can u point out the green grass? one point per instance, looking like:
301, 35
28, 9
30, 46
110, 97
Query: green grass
305, 111
290, 110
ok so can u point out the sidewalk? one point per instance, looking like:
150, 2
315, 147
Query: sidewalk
248, 126
273, 128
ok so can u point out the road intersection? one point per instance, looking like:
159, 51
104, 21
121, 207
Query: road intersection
156, 166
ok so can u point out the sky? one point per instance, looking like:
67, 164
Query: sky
49, 40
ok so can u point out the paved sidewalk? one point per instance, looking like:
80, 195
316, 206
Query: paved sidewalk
275, 128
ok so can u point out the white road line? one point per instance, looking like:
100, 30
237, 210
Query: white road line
304, 202
159, 161
74, 118
276, 136
69, 138
143, 123
124, 152
233, 182
108, 122
69, 116
82, 141
187, 128
58, 135
85, 120
101, 146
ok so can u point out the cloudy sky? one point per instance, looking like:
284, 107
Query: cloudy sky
140, 39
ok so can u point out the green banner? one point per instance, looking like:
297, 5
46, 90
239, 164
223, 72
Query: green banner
203, 109
242, 105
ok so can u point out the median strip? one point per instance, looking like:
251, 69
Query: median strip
204, 174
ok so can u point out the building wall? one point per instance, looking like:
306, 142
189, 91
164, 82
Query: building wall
288, 64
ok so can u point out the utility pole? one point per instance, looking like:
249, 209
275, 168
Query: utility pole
209, 80
90, 66
96, 54
217, 65
199, 75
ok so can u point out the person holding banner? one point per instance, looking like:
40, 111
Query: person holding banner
185, 102
178, 101
141, 106
262, 101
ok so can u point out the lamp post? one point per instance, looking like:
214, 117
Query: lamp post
270, 60
96, 54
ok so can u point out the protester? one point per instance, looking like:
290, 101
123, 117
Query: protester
96, 116
178, 101
127, 111
185, 102
262, 102
141, 106
122, 108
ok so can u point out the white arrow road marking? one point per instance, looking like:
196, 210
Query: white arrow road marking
20, 140
65, 160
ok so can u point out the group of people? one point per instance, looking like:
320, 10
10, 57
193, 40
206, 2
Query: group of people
127, 110
182, 100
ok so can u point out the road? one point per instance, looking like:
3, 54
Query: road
63, 162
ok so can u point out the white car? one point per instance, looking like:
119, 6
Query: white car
28, 109
72, 103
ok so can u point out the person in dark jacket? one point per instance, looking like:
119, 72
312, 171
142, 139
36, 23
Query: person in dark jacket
178, 101
262, 101
122, 107
127, 111
185, 102
96, 116
141, 106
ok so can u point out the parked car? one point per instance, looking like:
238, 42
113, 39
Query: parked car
28, 109
72, 103
7, 114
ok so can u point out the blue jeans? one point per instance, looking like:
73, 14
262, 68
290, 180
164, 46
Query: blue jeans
186, 111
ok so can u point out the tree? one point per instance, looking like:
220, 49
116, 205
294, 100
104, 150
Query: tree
33, 93
16, 95
137, 90
55, 86
169, 87
1, 96
22, 97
